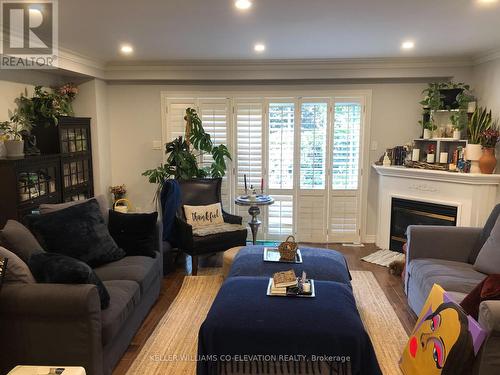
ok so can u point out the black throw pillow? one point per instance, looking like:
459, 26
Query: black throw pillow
134, 233
79, 232
61, 269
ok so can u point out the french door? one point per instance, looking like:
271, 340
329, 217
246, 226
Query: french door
307, 149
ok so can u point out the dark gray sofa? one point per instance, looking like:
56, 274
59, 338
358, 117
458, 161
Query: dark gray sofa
445, 256
56, 324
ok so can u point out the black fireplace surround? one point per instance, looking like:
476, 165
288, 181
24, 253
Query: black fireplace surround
407, 212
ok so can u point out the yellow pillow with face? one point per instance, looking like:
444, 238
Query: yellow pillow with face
444, 340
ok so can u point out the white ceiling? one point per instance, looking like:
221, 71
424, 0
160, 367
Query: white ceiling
291, 29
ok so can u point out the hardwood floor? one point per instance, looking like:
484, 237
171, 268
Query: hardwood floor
392, 286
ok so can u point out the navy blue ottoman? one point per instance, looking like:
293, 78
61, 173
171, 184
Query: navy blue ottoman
319, 264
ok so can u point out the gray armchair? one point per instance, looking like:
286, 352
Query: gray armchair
445, 256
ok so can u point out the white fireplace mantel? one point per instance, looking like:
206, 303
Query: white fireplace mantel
474, 195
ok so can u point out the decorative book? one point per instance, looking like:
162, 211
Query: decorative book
284, 279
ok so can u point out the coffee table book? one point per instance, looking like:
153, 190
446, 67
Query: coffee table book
272, 254
278, 292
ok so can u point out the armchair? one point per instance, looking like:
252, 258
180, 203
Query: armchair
200, 192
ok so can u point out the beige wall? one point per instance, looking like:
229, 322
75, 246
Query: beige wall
135, 121
487, 87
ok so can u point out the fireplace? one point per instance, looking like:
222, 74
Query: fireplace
408, 212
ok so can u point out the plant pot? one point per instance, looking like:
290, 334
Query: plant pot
427, 134
457, 134
473, 152
15, 148
488, 161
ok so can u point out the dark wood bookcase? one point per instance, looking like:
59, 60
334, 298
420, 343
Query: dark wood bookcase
63, 172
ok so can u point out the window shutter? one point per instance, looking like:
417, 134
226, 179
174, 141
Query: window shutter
346, 139
313, 127
280, 217
176, 110
281, 143
343, 218
214, 115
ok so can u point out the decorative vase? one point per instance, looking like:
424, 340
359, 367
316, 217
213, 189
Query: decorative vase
427, 134
15, 148
457, 134
488, 161
473, 153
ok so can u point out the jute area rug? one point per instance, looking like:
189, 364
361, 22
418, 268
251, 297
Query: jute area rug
172, 347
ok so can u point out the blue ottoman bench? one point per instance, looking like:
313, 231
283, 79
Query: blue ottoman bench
319, 264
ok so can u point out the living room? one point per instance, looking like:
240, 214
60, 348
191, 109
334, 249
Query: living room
159, 161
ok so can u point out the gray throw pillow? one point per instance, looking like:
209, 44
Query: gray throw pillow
17, 270
101, 200
488, 259
19, 240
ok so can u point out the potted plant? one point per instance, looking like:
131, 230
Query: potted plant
489, 140
458, 124
481, 121
429, 127
14, 144
42, 112
183, 154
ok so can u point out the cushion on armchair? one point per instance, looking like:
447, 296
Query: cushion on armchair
216, 229
488, 259
202, 216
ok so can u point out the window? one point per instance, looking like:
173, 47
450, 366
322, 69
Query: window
248, 143
346, 139
281, 134
313, 125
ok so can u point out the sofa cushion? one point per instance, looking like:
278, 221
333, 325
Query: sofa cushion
61, 269
124, 297
101, 200
488, 259
452, 276
78, 231
17, 270
134, 233
143, 270
485, 234
18, 239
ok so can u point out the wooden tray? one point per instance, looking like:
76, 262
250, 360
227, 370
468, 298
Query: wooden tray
271, 254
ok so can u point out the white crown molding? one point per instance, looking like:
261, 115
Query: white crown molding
394, 68
487, 56
77, 63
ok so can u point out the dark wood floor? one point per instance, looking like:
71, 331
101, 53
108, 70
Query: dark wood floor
392, 286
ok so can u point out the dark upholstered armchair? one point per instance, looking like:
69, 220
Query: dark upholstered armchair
201, 192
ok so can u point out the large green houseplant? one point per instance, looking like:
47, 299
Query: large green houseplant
184, 153
481, 121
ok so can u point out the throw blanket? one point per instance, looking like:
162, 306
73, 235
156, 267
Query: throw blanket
247, 330
170, 200
319, 264
488, 289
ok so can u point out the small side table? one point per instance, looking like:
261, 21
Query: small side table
254, 210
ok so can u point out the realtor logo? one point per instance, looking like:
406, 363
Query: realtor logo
29, 34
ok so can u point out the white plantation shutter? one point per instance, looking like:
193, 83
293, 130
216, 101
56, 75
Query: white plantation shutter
214, 115
280, 217
346, 139
248, 143
311, 218
281, 143
343, 218
176, 110
313, 127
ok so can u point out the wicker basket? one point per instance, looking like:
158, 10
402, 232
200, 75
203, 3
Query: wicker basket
288, 249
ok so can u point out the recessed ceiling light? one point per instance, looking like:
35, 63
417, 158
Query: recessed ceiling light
408, 45
259, 47
243, 4
126, 49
